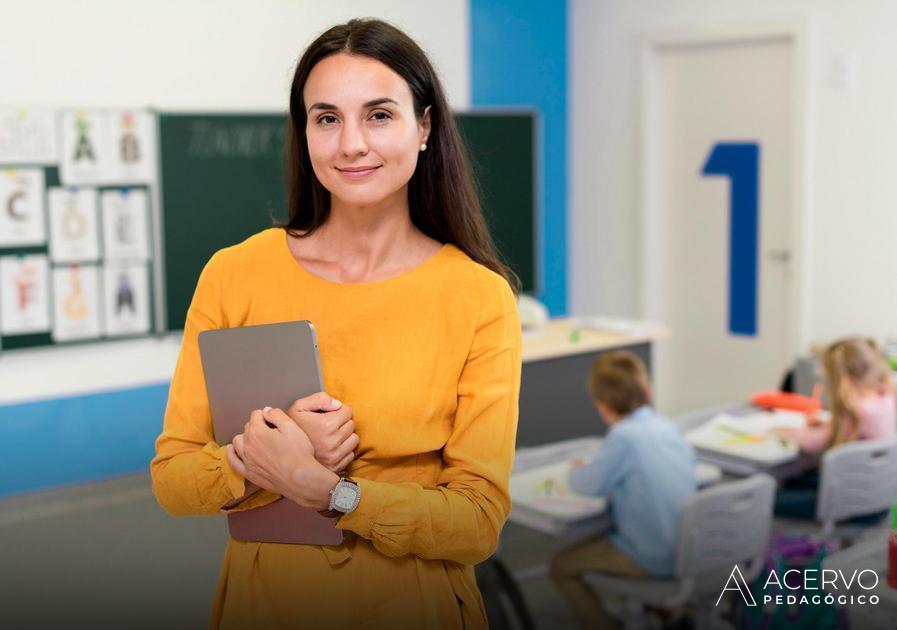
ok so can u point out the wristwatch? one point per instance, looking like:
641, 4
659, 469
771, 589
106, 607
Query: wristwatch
343, 498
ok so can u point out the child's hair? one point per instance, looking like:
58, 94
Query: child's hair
620, 381
851, 364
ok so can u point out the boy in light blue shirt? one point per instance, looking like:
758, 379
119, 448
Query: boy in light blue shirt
646, 467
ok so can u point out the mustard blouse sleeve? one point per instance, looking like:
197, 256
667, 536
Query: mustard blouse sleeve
190, 472
462, 518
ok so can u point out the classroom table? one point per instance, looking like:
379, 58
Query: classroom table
738, 466
598, 521
871, 553
554, 399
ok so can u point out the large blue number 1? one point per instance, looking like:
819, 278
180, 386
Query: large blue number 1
740, 162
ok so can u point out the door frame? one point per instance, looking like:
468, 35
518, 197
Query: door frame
796, 32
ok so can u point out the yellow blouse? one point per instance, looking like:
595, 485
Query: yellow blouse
430, 363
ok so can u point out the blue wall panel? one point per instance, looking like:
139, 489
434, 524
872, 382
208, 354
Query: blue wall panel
77, 439
519, 58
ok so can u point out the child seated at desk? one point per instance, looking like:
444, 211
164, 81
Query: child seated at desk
863, 407
647, 468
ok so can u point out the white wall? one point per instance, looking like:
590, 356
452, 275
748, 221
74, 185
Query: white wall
197, 54
178, 55
851, 213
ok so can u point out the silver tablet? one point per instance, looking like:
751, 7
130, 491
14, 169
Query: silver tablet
253, 367
250, 368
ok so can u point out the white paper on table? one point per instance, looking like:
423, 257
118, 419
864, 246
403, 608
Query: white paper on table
28, 136
74, 233
745, 437
76, 302
546, 489
22, 207
126, 299
24, 294
125, 224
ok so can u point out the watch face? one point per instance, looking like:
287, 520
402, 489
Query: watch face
344, 498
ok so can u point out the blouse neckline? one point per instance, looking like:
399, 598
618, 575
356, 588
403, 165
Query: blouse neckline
284, 247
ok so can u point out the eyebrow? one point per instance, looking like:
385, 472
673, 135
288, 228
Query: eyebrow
373, 103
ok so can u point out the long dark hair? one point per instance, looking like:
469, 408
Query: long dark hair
442, 195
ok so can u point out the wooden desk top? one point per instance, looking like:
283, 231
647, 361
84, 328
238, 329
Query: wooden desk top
566, 336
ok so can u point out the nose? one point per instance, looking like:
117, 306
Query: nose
352, 140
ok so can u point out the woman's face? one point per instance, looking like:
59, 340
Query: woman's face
363, 136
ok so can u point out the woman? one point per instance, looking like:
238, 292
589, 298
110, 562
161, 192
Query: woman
387, 253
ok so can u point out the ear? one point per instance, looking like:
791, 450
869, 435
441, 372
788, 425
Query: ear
425, 124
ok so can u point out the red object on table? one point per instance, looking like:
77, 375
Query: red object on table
786, 401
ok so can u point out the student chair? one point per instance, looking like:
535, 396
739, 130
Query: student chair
856, 479
721, 527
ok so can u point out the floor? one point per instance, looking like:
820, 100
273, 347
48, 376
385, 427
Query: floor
105, 555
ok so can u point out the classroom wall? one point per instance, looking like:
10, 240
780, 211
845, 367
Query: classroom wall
850, 217
194, 54
92, 410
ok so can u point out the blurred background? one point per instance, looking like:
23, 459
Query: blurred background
708, 184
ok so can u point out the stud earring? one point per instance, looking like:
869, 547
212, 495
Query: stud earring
423, 146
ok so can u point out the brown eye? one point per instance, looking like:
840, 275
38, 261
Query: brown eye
327, 119
380, 116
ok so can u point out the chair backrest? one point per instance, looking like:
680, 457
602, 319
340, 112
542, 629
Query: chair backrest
725, 525
855, 479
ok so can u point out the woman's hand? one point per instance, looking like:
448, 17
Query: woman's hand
282, 459
329, 425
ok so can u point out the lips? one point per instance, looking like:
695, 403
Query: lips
357, 169
357, 172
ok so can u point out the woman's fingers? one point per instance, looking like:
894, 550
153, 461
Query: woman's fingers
278, 418
348, 446
342, 465
320, 401
238, 445
343, 433
235, 462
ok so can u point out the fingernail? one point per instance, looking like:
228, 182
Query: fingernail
335, 403
266, 409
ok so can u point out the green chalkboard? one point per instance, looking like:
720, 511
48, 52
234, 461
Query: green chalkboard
222, 180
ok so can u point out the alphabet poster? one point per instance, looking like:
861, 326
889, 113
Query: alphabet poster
27, 136
127, 304
22, 207
76, 302
107, 147
125, 224
73, 225
24, 295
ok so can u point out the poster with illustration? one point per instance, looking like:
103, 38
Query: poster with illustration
22, 207
76, 302
24, 295
107, 147
74, 233
133, 136
125, 224
28, 136
126, 298
86, 148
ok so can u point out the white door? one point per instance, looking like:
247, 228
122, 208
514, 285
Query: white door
724, 296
